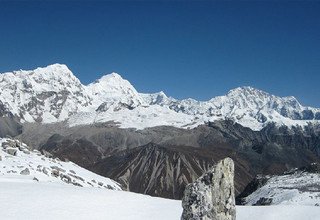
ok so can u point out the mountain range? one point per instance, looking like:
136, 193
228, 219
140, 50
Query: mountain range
152, 143
54, 94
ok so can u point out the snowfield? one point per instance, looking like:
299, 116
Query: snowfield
44, 200
299, 188
35, 186
28, 165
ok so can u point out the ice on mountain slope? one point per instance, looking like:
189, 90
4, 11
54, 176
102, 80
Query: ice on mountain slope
19, 163
53, 94
298, 188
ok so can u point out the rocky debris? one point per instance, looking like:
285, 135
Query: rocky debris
26, 151
11, 151
253, 186
55, 173
12, 146
47, 154
45, 171
26, 171
263, 201
211, 197
10, 143
108, 187
34, 166
58, 168
76, 184
65, 178
77, 177
312, 168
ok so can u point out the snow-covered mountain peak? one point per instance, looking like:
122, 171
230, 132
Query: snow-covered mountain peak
113, 88
247, 92
53, 94
45, 94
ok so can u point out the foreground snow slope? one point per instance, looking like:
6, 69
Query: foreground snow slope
44, 200
19, 163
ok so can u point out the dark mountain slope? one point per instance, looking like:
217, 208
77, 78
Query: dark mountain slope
165, 171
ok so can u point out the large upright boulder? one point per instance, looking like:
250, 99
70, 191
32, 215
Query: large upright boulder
212, 195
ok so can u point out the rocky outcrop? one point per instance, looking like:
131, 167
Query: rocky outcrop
11, 151
211, 197
26, 171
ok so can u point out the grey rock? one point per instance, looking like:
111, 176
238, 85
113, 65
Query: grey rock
46, 154
11, 143
11, 151
55, 173
45, 171
26, 151
212, 195
58, 168
26, 171
263, 201
65, 178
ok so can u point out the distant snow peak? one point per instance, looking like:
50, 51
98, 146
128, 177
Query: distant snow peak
110, 77
53, 94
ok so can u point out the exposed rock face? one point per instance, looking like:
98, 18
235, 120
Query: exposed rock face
112, 151
211, 197
25, 172
11, 151
164, 171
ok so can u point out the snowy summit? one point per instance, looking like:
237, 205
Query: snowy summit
54, 94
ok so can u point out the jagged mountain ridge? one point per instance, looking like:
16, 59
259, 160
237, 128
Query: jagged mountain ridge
54, 94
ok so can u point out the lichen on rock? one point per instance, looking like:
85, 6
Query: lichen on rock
212, 195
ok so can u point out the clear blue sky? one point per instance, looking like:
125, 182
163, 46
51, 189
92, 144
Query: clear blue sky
187, 49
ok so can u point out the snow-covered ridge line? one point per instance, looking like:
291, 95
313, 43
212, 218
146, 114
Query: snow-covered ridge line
19, 163
53, 94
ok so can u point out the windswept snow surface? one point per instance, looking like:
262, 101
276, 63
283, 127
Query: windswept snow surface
20, 200
52, 94
42, 194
